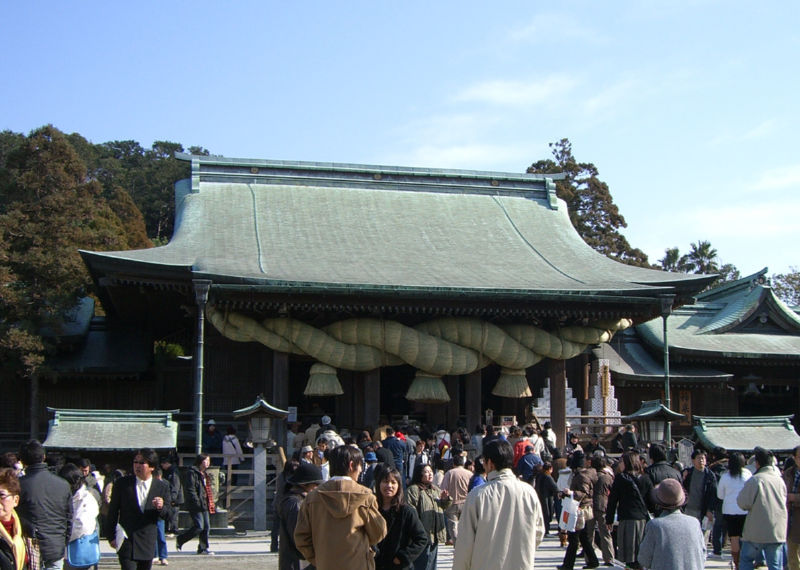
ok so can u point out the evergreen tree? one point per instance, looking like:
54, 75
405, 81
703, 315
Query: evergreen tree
787, 286
50, 208
670, 260
592, 210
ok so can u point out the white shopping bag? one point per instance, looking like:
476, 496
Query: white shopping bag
569, 514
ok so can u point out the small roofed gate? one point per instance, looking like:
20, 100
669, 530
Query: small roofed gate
111, 436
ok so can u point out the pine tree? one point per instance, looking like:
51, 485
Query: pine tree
592, 210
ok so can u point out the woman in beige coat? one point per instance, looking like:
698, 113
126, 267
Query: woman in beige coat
430, 502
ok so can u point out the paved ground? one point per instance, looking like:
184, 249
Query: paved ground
252, 553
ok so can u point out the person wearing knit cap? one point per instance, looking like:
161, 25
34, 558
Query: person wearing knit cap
368, 476
306, 454
673, 540
327, 425
302, 481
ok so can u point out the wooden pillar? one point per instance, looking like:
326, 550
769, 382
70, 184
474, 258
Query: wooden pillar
359, 400
586, 376
454, 405
343, 405
372, 398
280, 392
436, 415
558, 399
472, 399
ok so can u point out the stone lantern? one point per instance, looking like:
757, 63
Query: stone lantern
260, 416
653, 418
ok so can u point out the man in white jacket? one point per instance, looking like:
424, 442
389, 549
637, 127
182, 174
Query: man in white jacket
501, 524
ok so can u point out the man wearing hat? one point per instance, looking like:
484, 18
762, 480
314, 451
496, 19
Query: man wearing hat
673, 540
368, 477
594, 445
307, 454
305, 479
212, 442
326, 426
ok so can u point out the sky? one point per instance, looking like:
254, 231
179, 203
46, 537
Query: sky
689, 109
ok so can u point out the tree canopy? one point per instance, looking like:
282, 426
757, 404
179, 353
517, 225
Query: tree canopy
49, 208
592, 210
787, 286
148, 176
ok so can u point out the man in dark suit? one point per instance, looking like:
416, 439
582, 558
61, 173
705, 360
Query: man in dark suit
137, 502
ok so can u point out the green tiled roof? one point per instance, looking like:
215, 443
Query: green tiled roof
630, 361
303, 226
740, 320
111, 430
744, 433
261, 406
117, 351
654, 409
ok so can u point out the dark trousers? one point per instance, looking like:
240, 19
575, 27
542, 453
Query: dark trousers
172, 519
573, 538
201, 524
718, 531
275, 531
127, 563
427, 560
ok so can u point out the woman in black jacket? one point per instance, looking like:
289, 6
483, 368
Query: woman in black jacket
627, 502
406, 538
547, 490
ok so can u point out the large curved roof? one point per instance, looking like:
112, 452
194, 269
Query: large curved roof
276, 224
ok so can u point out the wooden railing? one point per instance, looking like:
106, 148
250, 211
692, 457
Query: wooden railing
238, 499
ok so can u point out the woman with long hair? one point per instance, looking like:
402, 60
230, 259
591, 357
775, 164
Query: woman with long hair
581, 489
430, 502
626, 501
405, 536
233, 454
730, 483
85, 508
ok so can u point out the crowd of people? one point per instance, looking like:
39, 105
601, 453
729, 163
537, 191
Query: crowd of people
391, 498
54, 511
636, 507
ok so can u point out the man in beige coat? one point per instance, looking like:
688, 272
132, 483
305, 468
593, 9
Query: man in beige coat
501, 524
339, 521
764, 499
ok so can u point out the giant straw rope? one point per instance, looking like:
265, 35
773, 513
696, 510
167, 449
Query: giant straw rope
445, 346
